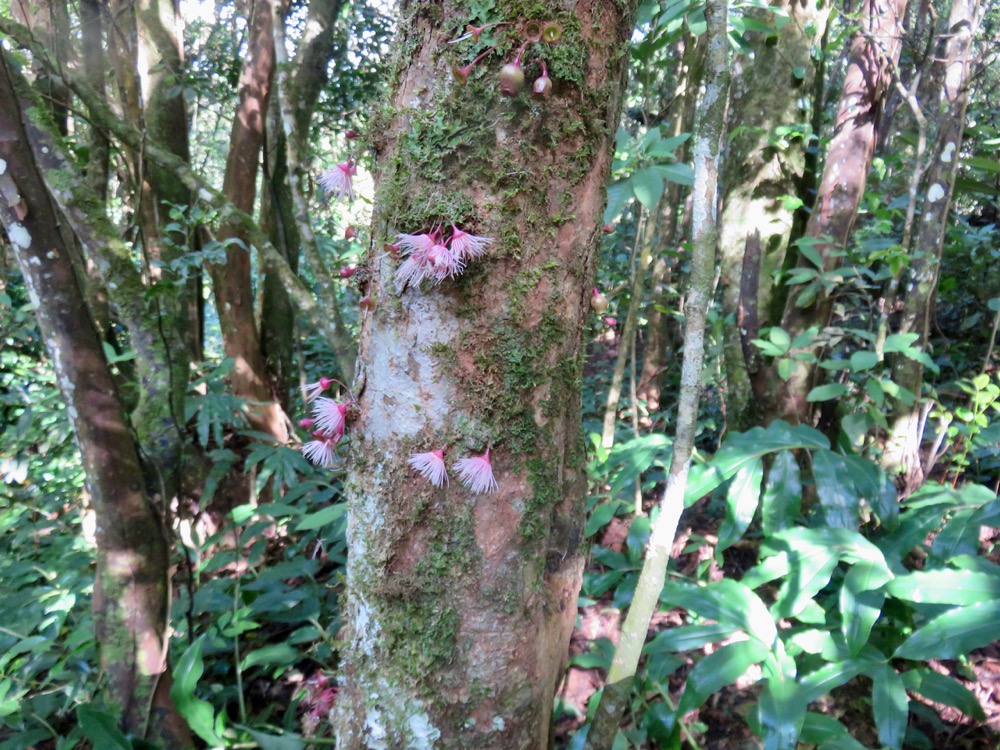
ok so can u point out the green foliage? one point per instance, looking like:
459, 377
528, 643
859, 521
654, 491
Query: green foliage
840, 582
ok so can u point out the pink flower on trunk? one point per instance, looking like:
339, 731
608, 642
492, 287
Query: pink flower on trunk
443, 263
337, 181
468, 246
312, 390
431, 467
476, 473
322, 449
330, 416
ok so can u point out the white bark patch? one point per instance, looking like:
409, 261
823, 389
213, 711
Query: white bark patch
19, 235
935, 192
409, 396
3, 166
947, 154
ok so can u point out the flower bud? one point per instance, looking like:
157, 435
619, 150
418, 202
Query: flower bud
511, 79
348, 271
306, 423
608, 228
543, 87
350, 233
351, 134
598, 302
367, 303
611, 322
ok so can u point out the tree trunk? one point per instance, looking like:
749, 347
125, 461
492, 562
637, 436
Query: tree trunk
760, 171
460, 605
234, 298
874, 51
130, 590
902, 453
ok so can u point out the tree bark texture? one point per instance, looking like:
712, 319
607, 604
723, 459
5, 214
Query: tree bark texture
460, 606
874, 51
771, 90
130, 591
954, 69
231, 281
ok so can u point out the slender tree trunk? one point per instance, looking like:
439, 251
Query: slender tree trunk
902, 453
768, 91
234, 298
711, 123
874, 51
460, 605
131, 586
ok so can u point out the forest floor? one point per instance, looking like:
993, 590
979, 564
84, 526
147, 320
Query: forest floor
720, 723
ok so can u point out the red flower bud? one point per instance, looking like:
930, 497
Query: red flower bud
598, 301
511, 79
350, 233
348, 271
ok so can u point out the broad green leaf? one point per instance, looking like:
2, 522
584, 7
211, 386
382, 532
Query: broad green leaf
960, 536
954, 633
839, 505
601, 516
863, 360
619, 194
899, 342
782, 501
681, 174
727, 602
890, 705
781, 708
819, 728
688, 637
945, 586
322, 517
817, 684
661, 725
269, 741
101, 729
276, 654
861, 603
742, 448
647, 184
721, 668
940, 688
827, 392
741, 503
200, 714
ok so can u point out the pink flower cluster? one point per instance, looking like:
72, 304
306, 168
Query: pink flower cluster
475, 472
337, 181
320, 695
327, 424
431, 256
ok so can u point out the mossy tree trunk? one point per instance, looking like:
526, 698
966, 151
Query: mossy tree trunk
130, 589
460, 605
763, 166
874, 52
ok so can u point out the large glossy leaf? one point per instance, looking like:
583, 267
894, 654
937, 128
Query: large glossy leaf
782, 501
721, 668
861, 603
890, 705
954, 633
943, 689
743, 447
819, 728
269, 741
688, 637
960, 536
817, 684
727, 602
647, 184
322, 517
781, 708
946, 586
839, 504
741, 503
275, 654
101, 729
875, 486
199, 714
